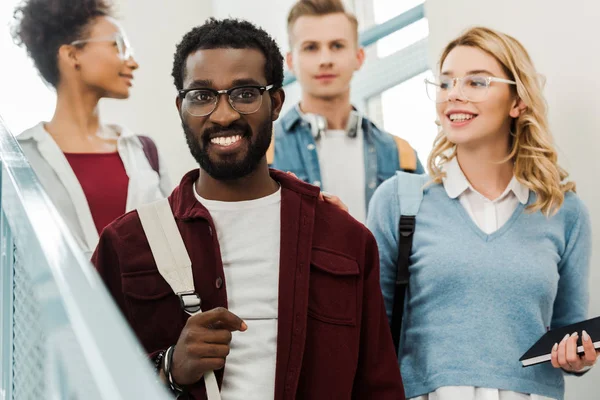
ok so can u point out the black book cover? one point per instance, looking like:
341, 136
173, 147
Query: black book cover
541, 351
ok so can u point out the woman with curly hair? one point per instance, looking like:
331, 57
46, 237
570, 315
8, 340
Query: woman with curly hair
93, 172
501, 246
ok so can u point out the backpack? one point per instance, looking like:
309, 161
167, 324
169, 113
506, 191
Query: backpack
151, 152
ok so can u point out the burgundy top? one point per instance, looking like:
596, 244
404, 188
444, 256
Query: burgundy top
333, 341
104, 182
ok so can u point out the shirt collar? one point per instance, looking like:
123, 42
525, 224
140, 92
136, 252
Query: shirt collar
520, 190
456, 183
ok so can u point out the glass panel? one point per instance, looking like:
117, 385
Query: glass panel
408, 113
384, 10
70, 341
388, 9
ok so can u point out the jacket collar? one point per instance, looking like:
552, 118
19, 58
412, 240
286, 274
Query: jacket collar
186, 206
290, 119
294, 116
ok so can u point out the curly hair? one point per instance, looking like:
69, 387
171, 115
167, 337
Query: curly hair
229, 33
532, 147
42, 26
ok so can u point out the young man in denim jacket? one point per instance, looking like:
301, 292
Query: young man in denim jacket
323, 140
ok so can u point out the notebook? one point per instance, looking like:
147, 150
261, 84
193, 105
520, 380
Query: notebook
541, 351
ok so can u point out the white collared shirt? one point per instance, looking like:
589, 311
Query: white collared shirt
60, 183
489, 215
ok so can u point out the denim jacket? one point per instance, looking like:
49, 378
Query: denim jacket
296, 151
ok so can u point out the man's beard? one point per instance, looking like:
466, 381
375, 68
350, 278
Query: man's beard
230, 170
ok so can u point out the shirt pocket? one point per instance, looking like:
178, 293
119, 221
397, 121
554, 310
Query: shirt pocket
154, 310
333, 296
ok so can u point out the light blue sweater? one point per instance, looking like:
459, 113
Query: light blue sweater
477, 302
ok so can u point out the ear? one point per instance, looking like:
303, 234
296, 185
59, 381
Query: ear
360, 57
289, 61
277, 99
67, 55
518, 108
178, 104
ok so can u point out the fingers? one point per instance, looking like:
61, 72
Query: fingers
590, 355
336, 201
573, 360
219, 318
554, 356
204, 350
562, 353
216, 336
292, 174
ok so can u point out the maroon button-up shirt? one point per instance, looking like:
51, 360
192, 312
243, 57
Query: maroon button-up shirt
333, 338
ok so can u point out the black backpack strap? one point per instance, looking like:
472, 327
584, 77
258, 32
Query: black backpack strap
151, 152
410, 195
406, 232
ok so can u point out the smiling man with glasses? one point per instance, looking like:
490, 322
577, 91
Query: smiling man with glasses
288, 284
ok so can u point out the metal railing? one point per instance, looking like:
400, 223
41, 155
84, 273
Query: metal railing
61, 336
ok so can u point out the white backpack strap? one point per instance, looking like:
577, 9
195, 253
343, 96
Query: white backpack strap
174, 264
410, 192
170, 254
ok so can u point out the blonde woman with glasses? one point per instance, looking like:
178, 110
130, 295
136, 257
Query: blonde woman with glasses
501, 246
93, 172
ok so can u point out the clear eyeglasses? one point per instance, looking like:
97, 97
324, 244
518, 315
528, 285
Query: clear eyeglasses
123, 47
473, 88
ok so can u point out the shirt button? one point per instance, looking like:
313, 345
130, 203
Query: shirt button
372, 185
311, 146
371, 149
317, 183
219, 282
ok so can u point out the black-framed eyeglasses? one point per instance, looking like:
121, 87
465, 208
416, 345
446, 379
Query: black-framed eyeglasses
201, 102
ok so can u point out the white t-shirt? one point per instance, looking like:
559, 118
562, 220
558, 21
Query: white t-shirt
342, 162
249, 235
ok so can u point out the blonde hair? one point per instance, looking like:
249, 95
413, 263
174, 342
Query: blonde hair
318, 8
532, 148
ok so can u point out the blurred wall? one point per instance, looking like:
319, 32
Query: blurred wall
154, 29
